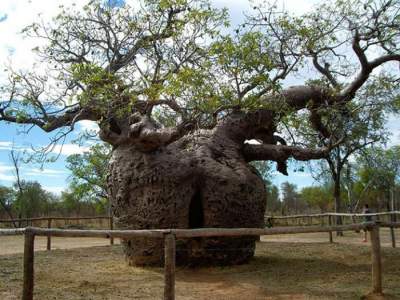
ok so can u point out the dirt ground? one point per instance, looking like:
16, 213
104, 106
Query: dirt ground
302, 266
348, 237
15, 244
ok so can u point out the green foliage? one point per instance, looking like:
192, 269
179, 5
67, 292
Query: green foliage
6, 199
274, 204
88, 179
106, 59
317, 196
379, 173
32, 200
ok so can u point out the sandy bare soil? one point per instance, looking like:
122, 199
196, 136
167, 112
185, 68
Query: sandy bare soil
285, 267
349, 237
15, 244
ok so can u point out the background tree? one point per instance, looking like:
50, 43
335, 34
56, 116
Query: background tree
358, 135
178, 101
88, 178
33, 201
273, 203
6, 201
317, 197
291, 199
378, 174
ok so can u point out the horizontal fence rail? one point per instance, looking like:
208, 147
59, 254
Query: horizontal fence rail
170, 236
387, 213
14, 231
53, 218
271, 221
50, 222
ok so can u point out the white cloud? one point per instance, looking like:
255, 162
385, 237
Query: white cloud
69, 149
87, 125
24, 12
299, 6
19, 15
6, 145
6, 173
66, 149
294, 6
54, 189
5, 177
393, 125
44, 172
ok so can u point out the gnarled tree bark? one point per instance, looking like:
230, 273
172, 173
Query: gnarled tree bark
202, 179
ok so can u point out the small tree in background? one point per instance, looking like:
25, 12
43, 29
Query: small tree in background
318, 197
88, 178
378, 174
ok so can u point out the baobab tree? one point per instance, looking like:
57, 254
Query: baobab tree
179, 101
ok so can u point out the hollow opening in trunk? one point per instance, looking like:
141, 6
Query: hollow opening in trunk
196, 213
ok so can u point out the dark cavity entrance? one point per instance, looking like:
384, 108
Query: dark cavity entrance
196, 213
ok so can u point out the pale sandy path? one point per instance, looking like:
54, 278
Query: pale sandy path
15, 244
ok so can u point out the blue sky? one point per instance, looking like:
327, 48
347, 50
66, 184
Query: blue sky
14, 15
53, 176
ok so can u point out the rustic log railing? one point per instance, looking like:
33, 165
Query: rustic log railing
329, 216
269, 219
51, 219
336, 214
170, 236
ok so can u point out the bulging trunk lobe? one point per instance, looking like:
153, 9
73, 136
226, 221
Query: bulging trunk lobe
201, 180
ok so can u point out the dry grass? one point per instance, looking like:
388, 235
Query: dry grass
284, 268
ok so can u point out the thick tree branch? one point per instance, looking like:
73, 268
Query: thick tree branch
50, 123
297, 97
144, 133
281, 153
366, 67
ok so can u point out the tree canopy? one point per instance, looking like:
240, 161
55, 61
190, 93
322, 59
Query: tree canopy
150, 74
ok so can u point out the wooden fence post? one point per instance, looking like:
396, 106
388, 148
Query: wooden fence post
393, 237
393, 219
330, 232
376, 260
49, 237
27, 291
111, 228
169, 266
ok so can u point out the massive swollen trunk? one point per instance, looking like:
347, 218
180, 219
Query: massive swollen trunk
201, 180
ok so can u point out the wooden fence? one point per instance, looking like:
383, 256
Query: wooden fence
170, 236
328, 219
292, 220
49, 222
